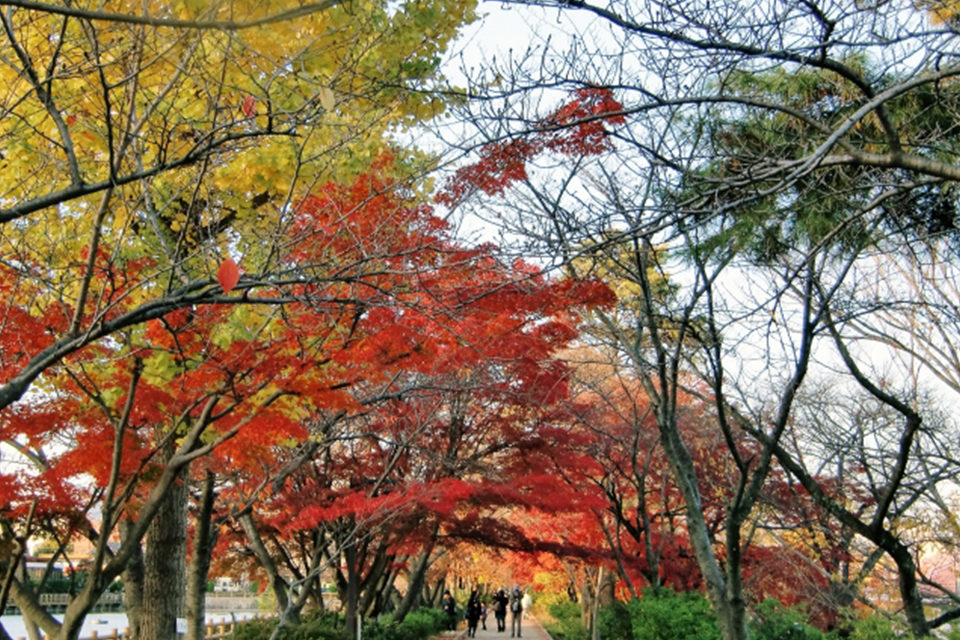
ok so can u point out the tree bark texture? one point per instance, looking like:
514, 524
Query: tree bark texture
164, 580
204, 539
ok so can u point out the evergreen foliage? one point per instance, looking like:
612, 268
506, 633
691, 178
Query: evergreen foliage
419, 625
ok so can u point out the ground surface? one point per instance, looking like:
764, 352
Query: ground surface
531, 631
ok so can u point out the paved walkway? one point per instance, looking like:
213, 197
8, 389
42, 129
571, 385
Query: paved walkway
531, 631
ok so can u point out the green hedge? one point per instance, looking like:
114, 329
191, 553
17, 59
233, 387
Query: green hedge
567, 624
773, 621
419, 625
614, 622
663, 614
666, 615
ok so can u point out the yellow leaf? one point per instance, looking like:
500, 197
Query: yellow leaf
328, 100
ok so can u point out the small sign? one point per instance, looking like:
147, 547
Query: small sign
181, 626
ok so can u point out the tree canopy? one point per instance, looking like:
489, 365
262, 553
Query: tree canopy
711, 351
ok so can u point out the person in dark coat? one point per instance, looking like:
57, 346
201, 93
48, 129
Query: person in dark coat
473, 614
500, 601
449, 606
516, 611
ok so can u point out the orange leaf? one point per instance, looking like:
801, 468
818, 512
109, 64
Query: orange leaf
228, 275
249, 106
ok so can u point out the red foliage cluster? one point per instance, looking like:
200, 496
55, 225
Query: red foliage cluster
576, 129
436, 363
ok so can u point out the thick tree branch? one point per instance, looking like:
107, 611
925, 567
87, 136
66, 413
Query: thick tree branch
176, 23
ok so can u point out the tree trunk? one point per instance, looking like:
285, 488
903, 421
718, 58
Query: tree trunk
204, 539
164, 564
260, 551
907, 582
132, 586
434, 595
416, 580
31, 610
33, 631
732, 626
352, 592
369, 587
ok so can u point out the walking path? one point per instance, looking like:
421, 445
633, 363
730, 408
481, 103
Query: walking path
531, 631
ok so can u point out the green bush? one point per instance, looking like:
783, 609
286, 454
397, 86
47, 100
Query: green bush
614, 622
665, 615
258, 629
547, 599
567, 623
876, 628
324, 625
378, 629
438, 616
564, 610
773, 621
320, 625
62, 584
418, 625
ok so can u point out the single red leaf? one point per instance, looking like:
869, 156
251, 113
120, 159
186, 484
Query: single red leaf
249, 106
228, 275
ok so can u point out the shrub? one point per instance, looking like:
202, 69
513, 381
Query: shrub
546, 600
614, 622
377, 629
876, 628
773, 621
320, 625
324, 625
258, 629
418, 625
665, 615
567, 623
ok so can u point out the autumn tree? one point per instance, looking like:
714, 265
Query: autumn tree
677, 339
461, 392
135, 135
134, 180
771, 146
642, 520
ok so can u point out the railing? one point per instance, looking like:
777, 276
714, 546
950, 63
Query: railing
63, 599
212, 631
113, 601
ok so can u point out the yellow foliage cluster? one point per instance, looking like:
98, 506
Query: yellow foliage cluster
167, 135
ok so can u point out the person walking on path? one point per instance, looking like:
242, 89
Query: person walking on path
473, 614
532, 630
516, 612
500, 609
449, 606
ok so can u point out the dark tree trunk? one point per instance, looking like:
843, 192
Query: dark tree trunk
164, 563
371, 583
416, 581
353, 589
204, 539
